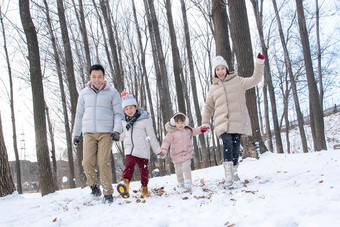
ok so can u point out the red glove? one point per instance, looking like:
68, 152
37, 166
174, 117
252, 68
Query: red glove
260, 56
204, 129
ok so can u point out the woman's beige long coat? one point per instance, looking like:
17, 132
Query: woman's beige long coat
226, 99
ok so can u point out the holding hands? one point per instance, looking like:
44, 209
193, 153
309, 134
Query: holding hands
205, 128
161, 155
115, 136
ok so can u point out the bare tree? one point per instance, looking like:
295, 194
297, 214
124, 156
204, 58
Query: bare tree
54, 160
11, 100
176, 60
292, 80
71, 82
242, 45
316, 114
118, 78
63, 97
205, 154
159, 61
258, 10
6, 181
45, 173
317, 18
221, 31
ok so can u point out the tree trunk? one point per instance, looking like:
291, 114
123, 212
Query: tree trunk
15, 143
244, 55
118, 78
104, 38
83, 31
45, 173
221, 31
63, 97
204, 151
317, 18
314, 98
176, 60
6, 181
71, 80
162, 75
54, 160
292, 80
267, 75
266, 113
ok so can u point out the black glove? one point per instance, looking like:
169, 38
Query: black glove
115, 136
76, 140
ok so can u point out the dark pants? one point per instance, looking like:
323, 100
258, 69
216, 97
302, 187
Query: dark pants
231, 147
130, 163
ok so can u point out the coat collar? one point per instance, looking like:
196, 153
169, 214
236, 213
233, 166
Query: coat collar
231, 75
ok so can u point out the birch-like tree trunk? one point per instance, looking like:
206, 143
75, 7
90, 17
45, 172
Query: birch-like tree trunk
45, 173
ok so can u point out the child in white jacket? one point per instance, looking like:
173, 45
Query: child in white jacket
138, 134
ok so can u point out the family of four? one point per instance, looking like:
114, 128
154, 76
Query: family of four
103, 116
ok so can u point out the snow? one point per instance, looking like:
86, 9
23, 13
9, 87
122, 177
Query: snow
280, 190
283, 190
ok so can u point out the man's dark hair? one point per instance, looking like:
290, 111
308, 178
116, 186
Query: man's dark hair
96, 67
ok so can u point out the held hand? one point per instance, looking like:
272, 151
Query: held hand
115, 136
161, 155
204, 129
260, 56
76, 140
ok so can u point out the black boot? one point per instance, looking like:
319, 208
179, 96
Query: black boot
96, 190
108, 199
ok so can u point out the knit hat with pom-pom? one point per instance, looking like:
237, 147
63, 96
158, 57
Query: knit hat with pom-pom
128, 100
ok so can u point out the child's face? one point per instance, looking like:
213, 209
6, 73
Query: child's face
130, 110
97, 78
180, 125
221, 71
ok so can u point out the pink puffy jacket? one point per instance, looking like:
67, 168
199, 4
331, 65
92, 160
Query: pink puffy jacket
181, 144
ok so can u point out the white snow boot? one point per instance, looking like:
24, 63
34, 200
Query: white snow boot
187, 185
236, 177
228, 171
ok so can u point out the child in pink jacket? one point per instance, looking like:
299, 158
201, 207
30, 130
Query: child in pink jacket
181, 150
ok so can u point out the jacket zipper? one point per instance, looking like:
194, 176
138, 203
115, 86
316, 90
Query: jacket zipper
133, 145
95, 113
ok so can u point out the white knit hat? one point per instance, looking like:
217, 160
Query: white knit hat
128, 100
218, 60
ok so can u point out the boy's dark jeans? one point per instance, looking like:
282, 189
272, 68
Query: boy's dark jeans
231, 147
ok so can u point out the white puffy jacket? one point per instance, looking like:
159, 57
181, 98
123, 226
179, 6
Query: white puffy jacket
98, 111
140, 136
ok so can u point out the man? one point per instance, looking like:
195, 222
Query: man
99, 117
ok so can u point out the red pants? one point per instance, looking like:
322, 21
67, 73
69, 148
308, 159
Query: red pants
130, 163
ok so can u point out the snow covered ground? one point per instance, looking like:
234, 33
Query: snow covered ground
278, 190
